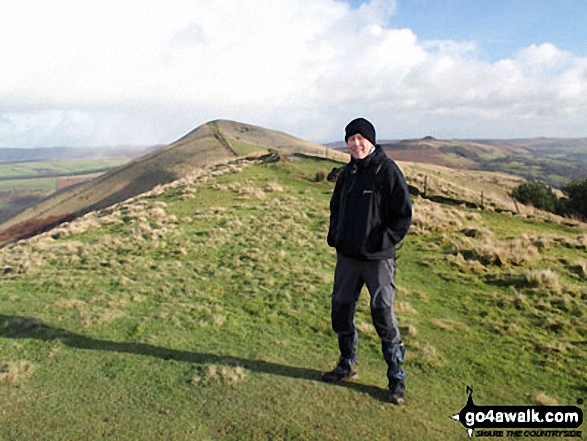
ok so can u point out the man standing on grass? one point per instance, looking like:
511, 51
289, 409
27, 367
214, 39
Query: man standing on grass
370, 213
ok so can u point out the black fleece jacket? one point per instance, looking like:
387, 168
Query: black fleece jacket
370, 208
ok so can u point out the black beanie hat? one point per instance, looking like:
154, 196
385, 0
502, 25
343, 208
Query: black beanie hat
362, 126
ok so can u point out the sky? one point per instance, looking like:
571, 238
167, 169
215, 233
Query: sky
133, 72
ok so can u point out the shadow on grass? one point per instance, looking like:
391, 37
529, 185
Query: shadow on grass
35, 328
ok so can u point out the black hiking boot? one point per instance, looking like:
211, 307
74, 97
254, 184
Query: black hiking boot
397, 395
394, 356
342, 372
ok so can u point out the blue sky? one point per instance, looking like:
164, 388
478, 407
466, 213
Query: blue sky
106, 72
499, 27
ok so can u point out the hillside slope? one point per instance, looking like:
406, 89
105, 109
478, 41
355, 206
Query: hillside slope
210, 143
554, 161
201, 310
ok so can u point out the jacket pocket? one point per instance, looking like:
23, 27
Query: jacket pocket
386, 241
331, 238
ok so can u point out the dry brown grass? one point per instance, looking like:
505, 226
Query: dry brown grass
577, 242
579, 268
70, 304
544, 400
365, 328
408, 330
544, 278
15, 371
149, 224
271, 187
403, 307
450, 325
426, 355
464, 184
213, 374
430, 217
519, 251
466, 266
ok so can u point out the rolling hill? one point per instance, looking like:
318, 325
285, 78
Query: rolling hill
208, 144
551, 160
19, 155
554, 161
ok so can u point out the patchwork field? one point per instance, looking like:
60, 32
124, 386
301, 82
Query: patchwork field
25, 183
554, 161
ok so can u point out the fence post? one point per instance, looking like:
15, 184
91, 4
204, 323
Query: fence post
425, 185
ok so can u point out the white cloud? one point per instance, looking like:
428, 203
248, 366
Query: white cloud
109, 72
545, 57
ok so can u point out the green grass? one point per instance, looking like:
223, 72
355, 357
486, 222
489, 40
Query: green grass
41, 175
245, 149
201, 311
61, 166
35, 184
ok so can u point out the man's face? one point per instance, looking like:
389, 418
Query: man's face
359, 146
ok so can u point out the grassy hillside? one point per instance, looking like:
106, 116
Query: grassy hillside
554, 161
210, 143
200, 310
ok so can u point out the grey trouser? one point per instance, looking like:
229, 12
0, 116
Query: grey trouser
349, 277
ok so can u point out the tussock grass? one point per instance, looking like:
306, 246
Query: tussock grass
450, 325
408, 331
577, 242
213, 374
15, 372
545, 278
321, 175
544, 400
579, 268
273, 187
425, 355
429, 218
518, 251
70, 304
534, 296
366, 329
419, 296
403, 307
471, 266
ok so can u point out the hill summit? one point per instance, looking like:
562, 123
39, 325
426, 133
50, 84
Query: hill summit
210, 143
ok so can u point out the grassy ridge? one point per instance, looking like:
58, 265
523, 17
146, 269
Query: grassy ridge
200, 310
208, 144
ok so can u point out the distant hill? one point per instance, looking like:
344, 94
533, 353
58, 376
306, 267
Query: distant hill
210, 143
27, 182
552, 160
54, 153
